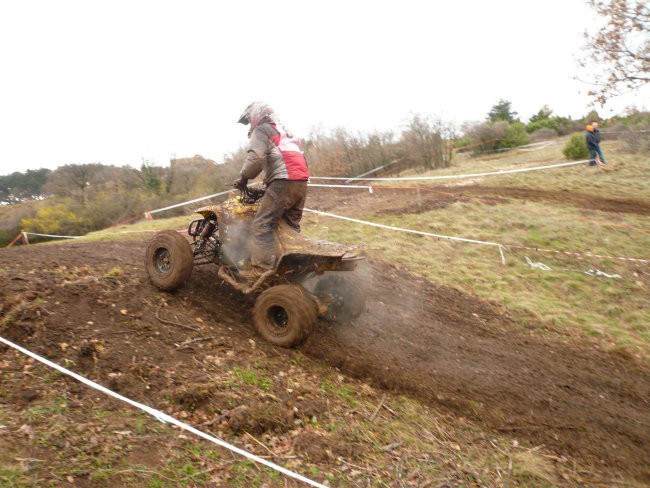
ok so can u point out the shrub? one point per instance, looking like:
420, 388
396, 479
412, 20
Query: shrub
462, 142
60, 218
515, 135
636, 139
562, 125
542, 124
576, 148
542, 134
633, 130
485, 137
567, 126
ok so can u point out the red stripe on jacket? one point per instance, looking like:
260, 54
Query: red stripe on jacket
293, 158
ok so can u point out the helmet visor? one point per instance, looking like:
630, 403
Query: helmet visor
245, 117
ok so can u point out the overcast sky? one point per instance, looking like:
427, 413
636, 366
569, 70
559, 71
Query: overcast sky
117, 81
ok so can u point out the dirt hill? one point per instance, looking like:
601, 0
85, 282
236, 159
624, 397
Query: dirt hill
90, 305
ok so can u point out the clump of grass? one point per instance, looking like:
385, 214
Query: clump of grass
531, 470
253, 376
115, 272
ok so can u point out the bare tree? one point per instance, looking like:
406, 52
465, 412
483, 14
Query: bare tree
74, 180
341, 153
429, 140
621, 50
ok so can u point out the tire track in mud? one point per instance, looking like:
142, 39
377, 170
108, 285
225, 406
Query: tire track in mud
396, 201
451, 349
561, 197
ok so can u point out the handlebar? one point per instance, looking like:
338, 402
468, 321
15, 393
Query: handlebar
251, 195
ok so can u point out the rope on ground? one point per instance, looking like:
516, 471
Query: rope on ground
435, 190
578, 254
369, 188
187, 202
451, 177
161, 416
593, 272
501, 247
148, 215
538, 265
597, 272
526, 147
51, 235
374, 170
411, 231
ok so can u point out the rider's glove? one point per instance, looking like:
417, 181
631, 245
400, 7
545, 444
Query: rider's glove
240, 183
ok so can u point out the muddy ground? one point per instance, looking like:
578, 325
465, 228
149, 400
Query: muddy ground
398, 200
431, 342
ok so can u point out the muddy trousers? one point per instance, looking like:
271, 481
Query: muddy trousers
283, 200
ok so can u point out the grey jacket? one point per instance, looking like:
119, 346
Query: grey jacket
275, 152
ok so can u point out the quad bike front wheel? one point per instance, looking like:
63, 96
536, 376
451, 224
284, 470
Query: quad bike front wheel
169, 260
344, 296
285, 315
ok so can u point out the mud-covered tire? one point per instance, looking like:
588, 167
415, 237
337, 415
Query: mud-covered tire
169, 260
344, 296
285, 315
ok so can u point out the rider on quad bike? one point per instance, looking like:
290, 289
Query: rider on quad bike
254, 240
272, 149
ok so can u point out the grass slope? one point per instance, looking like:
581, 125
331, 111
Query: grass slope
563, 300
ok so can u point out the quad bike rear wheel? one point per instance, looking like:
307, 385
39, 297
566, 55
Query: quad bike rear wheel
344, 296
285, 315
169, 260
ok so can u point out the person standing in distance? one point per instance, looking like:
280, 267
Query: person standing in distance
274, 150
598, 138
592, 145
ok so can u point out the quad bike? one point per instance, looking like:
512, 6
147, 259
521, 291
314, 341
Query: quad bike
291, 295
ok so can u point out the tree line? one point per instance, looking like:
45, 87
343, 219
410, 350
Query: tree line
75, 199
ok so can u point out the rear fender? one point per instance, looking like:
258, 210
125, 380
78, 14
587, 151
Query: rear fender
295, 264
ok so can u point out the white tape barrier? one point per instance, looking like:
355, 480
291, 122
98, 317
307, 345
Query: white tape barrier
50, 235
536, 144
372, 171
535, 147
161, 416
526, 147
597, 272
369, 188
188, 202
590, 272
411, 231
451, 177
578, 254
538, 265
501, 247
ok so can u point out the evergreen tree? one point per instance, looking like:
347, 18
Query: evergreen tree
502, 111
